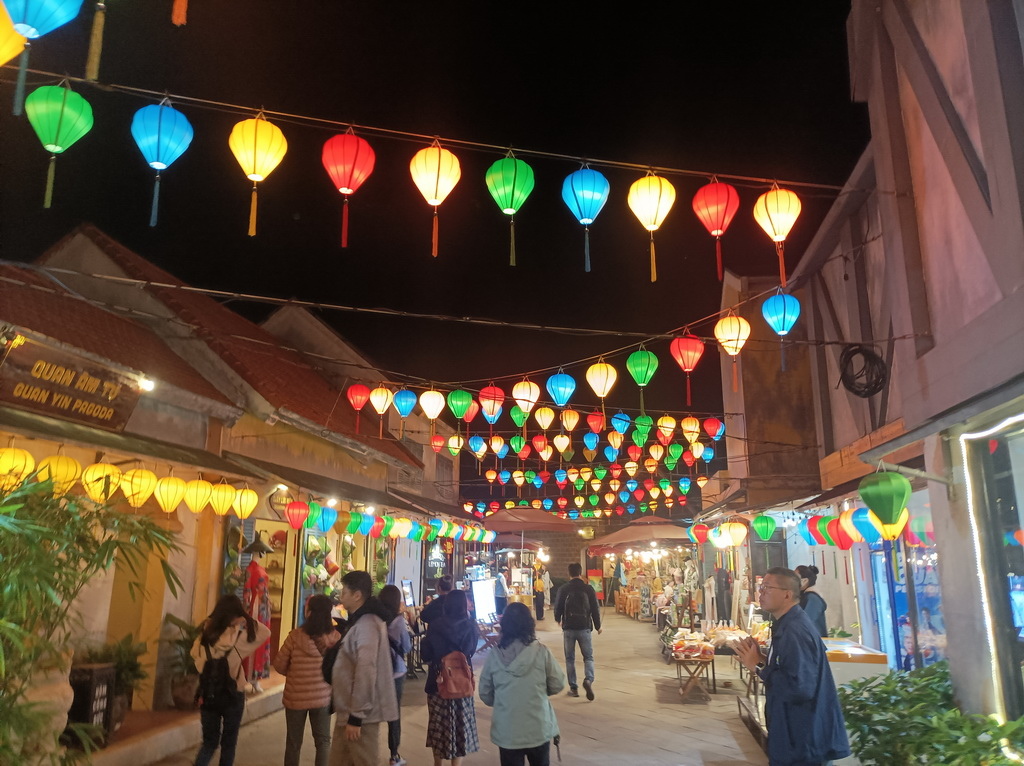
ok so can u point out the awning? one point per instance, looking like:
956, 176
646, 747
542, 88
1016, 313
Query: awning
431, 507
323, 485
41, 426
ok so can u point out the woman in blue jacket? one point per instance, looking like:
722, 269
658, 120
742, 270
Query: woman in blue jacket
518, 677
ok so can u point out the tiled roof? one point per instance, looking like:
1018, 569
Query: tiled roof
281, 376
32, 301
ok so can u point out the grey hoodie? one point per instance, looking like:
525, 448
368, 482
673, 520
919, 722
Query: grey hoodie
362, 683
517, 681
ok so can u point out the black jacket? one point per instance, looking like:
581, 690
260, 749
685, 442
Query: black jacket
432, 611
593, 620
445, 635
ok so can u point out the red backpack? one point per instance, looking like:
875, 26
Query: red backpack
455, 677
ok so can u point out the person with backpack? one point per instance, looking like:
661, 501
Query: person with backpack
401, 645
449, 646
517, 679
228, 636
362, 686
299, 660
433, 609
577, 611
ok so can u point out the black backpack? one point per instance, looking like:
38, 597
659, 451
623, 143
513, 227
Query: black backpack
217, 689
577, 609
331, 656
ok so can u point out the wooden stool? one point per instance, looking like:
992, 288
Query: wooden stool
697, 670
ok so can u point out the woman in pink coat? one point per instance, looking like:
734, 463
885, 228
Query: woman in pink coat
300, 659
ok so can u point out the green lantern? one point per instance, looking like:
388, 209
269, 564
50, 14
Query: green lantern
459, 401
600, 472
353, 523
530, 476
644, 423
670, 463
579, 484
639, 437
886, 493
568, 455
664, 484
510, 182
517, 415
594, 500
764, 525
675, 451
60, 117
517, 443
822, 524
642, 365
314, 515
389, 522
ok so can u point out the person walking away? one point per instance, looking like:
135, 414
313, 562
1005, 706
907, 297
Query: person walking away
541, 587
811, 602
228, 636
501, 591
401, 645
300, 661
433, 609
451, 723
362, 686
577, 611
517, 679
805, 723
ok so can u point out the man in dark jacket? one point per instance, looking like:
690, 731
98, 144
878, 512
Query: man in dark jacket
577, 611
433, 609
805, 724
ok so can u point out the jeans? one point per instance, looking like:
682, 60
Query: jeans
395, 727
569, 640
536, 756
319, 724
500, 602
213, 736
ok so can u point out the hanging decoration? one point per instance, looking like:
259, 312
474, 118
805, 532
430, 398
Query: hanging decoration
62, 470
642, 364
15, 466
780, 311
380, 399
197, 494
11, 42
432, 403
222, 497
776, 211
715, 205
296, 512
561, 387
138, 485
246, 500
732, 332
358, 395
162, 134
687, 351
886, 493
585, 192
33, 19
259, 146
601, 377
169, 492
404, 401
179, 13
100, 481
764, 526
510, 182
348, 160
59, 117
435, 171
650, 198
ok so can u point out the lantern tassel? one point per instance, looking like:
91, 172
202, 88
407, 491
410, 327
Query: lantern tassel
586, 249
642, 411
50, 172
654, 265
782, 354
779, 248
718, 256
179, 13
19, 87
344, 222
252, 212
511, 241
433, 237
357, 421
735, 377
687, 389
156, 201
92, 62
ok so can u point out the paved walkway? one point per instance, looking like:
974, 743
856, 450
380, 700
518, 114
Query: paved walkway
637, 717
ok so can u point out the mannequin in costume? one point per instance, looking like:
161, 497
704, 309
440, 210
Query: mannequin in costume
256, 599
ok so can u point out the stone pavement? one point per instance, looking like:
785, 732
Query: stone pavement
637, 718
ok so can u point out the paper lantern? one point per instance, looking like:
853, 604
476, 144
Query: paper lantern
886, 493
59, 117
526, 393
63, 471
776, 211
510, 182
561, 388
650, 198
314, 515
714, 428
601, 377
850, 529
245, 502
197, 494
435, 171
437, 443
698, 533
259, 146
569, 419
491, 399
496, 443
895, 529
687, 352
358, 395
780, 311
732, 332
821, 523
169, 492
544, 416
380, 399
867, 524
348, 160
701, 481
715, 205
736, 531
585, 192
138, 486
459, 401
690, 428
15, 466
718, 538
222, 497
764, 526
403, 401
11, 41
432, 403
32, 19
162, 134
455, 443
100, 481
839, 536
296, 512
641, 365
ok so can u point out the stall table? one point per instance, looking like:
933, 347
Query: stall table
521, 598
697, 670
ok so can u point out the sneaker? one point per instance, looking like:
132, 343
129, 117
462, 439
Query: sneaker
573, 693
397, 761
589, 688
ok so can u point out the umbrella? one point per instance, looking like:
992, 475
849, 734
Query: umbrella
507, 541
523, 519
642, 533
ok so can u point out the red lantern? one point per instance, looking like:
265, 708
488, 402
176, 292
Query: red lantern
712, 426
812, 527
634, 452
540, 442
687, 352
715, 206
377, 528
689, 459
348, 160
839, 535
524, 452
596, 421
358, 396
437, 442
296, 512
615, 470
562, 502
471, 411
700, 533
491, 400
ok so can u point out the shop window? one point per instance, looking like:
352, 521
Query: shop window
444, 472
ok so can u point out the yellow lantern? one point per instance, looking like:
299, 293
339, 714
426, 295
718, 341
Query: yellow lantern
15, 465
601, 377
776, 211
435, 171
562, 443
666, 426
246, 500
614, 439
197, 494
732, 332
544, 416
546, 453
380, 399
138, 485
222, 496
631, 468
893, 531
497, 442
11, 43
100, 481
63, 471
651, 465
650, 198
701, 481
455, 442
656, 451
572, 474
569, 419
586, 472
846, 522
655, 493
169, 492
595, 485
690, 427
259, 146
519, 478
526, 393
736, 531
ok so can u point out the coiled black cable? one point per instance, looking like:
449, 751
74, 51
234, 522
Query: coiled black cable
862, 371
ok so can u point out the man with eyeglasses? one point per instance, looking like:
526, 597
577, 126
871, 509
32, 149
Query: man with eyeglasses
805, 724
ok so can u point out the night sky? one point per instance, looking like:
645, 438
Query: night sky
729, 87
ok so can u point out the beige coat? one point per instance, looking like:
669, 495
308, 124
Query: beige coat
300, 660
232, 644
363, 684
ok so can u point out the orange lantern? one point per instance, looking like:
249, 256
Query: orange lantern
138, 485
100, 481
776, 211
197, 494
435, 171
259, 146
569, 419
245, 503
169, 492
63, 471
650, 198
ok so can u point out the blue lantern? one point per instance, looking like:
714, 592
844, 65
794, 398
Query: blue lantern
684, 484
404, 402
805, 533
780, 312
574, 514
504, 476
481, 506
503, 451
538, 482
561, 388
620, 422
32, 19
708, 454
492, 419
590, 440
861, 519
366, 523
610, 453
561, 476
631, 508
624, 496
547, 502
631, 485
327, 518
162, 134
585, 193
477, 444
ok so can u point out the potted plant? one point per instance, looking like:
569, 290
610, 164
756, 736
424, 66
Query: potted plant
184, 674
128, 672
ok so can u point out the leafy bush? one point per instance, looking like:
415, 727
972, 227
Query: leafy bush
124, 654
911, 718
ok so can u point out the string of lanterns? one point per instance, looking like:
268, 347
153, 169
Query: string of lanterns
312, 515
